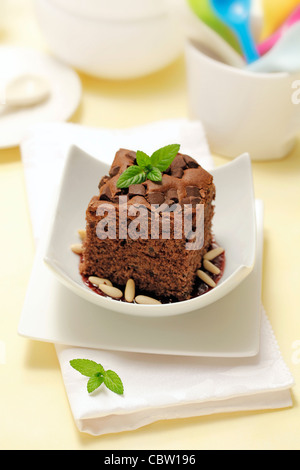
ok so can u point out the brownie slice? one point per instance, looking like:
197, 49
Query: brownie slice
161, 267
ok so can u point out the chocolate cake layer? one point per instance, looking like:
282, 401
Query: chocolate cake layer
160, 267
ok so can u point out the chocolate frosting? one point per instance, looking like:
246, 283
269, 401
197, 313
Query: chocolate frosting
184, 182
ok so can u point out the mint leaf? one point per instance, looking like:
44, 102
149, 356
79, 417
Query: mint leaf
142, 159
148, 167
154, 174
163, 157
87, 367
94, 382
132, 175
97, 375
113, 382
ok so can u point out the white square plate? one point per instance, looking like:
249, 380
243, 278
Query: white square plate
229, 327
234, 227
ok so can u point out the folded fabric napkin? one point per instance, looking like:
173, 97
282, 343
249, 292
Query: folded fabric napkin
157, 387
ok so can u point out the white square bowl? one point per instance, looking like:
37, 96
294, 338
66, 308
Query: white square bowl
234, 227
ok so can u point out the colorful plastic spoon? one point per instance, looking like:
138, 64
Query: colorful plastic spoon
204, 11
283, 57
266, 45
275, 13
236, 14
208, 40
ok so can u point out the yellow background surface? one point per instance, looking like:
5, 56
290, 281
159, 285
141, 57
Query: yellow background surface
34, 409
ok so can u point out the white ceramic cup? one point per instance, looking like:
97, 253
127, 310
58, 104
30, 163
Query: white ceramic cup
113, 9
242, 111
110, 48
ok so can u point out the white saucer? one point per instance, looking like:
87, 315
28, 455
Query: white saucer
65, 92
229, 327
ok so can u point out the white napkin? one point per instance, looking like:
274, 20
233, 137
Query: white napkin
165, 387
157, 387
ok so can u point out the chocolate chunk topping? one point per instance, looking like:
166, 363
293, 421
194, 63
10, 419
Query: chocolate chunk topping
114, 171
105, 194
177, 173
136, 190
195, 200
156, 198
172, 195
191, 200
192, 191
183, 182
103, 181
191, 163
131, 156
138, 201
186, 200
178, 162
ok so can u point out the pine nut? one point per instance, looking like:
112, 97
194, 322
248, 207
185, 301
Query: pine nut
212, 254
210, 267
77, 248
82, 233
129, 293
205, 278
99, 280
111, 291
143, 299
